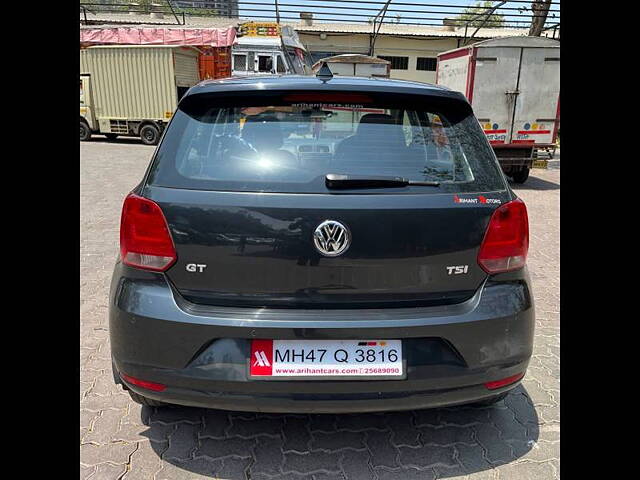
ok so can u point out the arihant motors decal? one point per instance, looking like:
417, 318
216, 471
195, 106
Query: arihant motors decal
479, 199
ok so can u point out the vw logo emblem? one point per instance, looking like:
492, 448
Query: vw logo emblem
331, 238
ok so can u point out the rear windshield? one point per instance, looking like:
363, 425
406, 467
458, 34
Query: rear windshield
289, 143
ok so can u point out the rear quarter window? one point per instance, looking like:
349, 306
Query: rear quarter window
288, 142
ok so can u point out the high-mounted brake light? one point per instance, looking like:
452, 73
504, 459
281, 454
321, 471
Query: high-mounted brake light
506, 241
318, 97
145, 241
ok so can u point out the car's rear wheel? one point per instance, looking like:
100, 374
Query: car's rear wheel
491, 401
521, 175
85, 131
148, 402
150, 135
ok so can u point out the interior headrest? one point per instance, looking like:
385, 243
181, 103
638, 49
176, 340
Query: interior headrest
376, 118
369, 122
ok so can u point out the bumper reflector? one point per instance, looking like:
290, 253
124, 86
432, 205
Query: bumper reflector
156, 387
504, 382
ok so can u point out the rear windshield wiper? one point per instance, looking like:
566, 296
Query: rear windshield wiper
337, 181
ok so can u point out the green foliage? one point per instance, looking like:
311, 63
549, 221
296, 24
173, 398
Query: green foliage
203, 12
143, 6
139, 6
495, 19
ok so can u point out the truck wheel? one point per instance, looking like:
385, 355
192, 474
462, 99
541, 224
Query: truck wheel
521, 176
85, 131
150, 135
111, 136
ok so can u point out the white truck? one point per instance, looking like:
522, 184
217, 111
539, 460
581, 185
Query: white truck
513, 85
269, 48
133, 90
352, 64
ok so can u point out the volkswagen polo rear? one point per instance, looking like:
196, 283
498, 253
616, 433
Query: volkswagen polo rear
300, 245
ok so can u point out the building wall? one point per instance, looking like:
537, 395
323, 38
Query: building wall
413, 48
386, 45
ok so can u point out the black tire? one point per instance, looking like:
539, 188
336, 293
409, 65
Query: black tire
521, 176
111, 136
491, 401
85, 131
148, 402
150, 135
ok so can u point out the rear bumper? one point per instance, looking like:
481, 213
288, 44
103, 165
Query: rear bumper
201, 353
515, 162
286, 402
514, 154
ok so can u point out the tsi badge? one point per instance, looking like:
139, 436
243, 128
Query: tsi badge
196, 267
457, 269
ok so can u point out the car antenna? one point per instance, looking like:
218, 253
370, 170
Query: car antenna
324, 73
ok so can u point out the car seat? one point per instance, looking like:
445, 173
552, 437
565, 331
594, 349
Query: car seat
265, 135
378, 142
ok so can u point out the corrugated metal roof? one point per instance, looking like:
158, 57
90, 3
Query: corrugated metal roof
386, 29
409, 30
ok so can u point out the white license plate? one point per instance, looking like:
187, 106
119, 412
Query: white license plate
326, 359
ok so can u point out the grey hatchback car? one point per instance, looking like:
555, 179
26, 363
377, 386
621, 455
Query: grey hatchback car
304, 244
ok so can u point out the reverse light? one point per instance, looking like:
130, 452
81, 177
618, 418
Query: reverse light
506, 241
156, 387
504, 382
145, 241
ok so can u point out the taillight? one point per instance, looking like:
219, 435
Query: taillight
506, 241
145, 241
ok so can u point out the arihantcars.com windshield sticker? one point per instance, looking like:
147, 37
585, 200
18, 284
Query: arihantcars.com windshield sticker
326, 105
479, 199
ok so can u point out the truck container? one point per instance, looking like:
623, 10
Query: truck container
133, 90
355, 65
513, 85
214, 62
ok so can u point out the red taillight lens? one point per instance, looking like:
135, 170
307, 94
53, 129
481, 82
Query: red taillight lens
504, 382
506, 241
156, 387
145, 241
